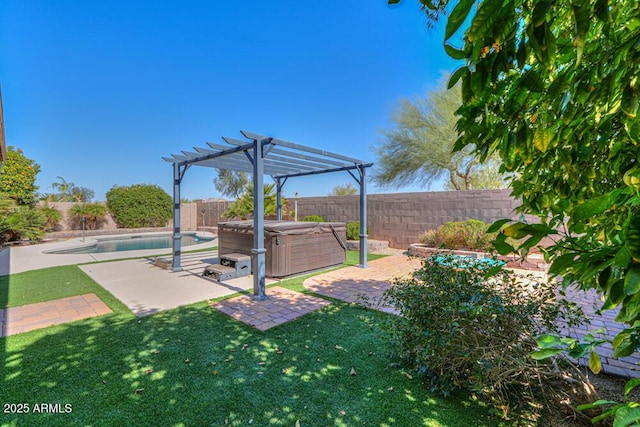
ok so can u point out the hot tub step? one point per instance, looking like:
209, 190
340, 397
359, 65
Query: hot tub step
220, 272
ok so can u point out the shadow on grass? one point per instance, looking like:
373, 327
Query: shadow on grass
196, 366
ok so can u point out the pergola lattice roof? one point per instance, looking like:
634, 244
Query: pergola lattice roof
282, 159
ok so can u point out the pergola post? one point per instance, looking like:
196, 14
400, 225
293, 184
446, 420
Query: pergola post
279, 184
177, 178
258, 251
363, 217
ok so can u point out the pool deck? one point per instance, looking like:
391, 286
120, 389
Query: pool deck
31, 257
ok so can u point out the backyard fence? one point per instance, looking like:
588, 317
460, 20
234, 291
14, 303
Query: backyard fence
399, 218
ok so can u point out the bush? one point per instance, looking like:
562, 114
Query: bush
353, 230
140, 205
470, 235
52, 216
19, 222
461, 329
313, 218
93, 213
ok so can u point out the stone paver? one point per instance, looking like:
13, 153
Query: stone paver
281, 306
363, 286
16, 320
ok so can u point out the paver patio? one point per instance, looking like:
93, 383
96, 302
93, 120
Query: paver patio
281, 306
363, 286
15, 320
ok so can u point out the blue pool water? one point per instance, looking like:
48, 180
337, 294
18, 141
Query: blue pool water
134, 243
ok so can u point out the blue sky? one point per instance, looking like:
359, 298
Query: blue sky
99, 91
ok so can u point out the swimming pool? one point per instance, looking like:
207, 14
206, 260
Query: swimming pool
134, 243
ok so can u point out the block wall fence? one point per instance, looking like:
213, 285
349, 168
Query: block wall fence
399, 218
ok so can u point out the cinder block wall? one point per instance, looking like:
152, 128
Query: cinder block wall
401, 218
398, 218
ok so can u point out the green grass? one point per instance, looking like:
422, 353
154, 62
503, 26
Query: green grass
196, 366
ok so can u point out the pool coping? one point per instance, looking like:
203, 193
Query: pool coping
89, 242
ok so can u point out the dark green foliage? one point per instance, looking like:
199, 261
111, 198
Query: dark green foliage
93, 213
243, 207
353, 230
313, 218
19, 222
52, 216
470, 235
462, 328
140, 205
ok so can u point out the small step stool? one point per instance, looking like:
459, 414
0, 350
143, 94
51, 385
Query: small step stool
231, 266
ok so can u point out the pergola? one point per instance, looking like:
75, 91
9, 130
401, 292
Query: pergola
262, 155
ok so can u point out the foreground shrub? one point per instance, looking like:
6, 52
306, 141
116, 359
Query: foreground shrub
19, 222
470, 235
353, 230
140, 205
313, 218
472, 329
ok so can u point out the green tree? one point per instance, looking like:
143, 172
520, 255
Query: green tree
343, 190
553, 87
140, 205
420, 148
68, 192
231, 183
18, 177
243, 207
63, 188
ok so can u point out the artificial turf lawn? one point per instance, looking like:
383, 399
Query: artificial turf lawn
196, 366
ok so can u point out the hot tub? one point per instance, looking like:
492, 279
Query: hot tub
292, 247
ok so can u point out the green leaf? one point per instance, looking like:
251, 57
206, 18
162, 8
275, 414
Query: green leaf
496, 226
632, 280
596, 404
541, 139
482, 22
457, 17
561, 263
539, 13
623, 345
595, 206
457, 75
454, 52
548, 341
616, 295
627, 416
630, 385
515, 231
630, 309
502, 247
532, 81
595, 364
545, 353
